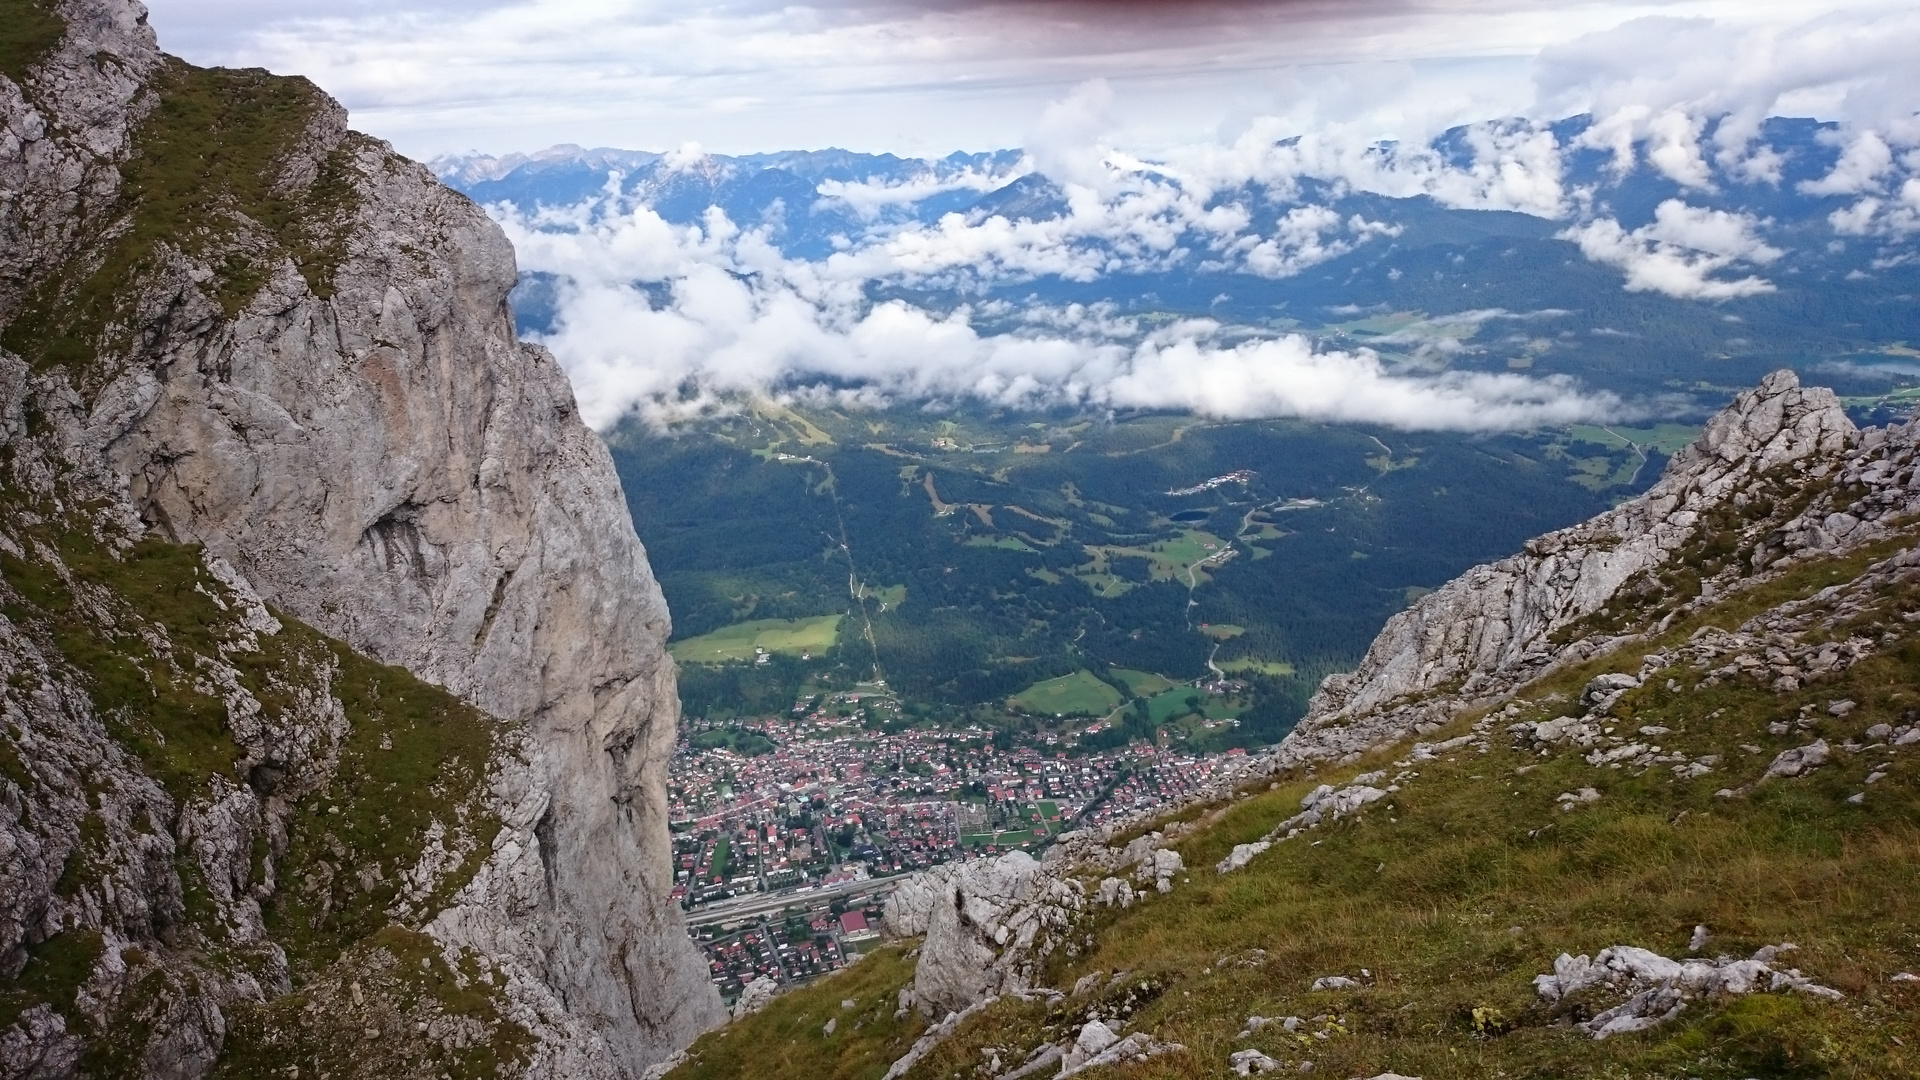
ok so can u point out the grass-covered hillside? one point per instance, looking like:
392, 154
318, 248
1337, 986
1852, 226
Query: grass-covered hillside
1495, 855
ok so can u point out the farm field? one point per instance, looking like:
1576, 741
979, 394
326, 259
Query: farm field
1007, 543
1143, 683
1182, 700
1167, 560
1666, 438
1259, 667
889, 596
1597, 473
738, 642
1078, 694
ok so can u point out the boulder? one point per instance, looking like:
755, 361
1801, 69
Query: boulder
994, 920
1240, 856
1249, 1062
755, 996
1335, 982
1800, 760
1659, 988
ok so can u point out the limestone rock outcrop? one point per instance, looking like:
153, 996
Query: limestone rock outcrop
1494, 627
308, 369
991, 922
1659, 989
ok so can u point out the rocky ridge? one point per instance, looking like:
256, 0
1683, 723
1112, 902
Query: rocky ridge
263, 417
1494, 628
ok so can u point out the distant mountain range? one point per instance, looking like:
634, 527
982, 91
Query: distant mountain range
1686, 272
682, 186
789, 190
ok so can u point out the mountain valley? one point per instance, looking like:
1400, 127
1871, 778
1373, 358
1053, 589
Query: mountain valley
1664, 828
1440, 608
970, 556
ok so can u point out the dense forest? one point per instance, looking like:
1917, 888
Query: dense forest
977, 553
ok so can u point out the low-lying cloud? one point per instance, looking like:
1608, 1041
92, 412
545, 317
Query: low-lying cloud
1680, 251
667, 320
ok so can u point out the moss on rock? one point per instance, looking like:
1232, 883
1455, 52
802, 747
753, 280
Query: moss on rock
29, 31
212, 177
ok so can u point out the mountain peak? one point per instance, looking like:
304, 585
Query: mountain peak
1770, 425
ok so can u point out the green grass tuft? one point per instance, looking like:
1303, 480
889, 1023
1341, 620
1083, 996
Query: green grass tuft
787, 1039
351, 842
206, 163
56, 969
403, 980
30, 30
413, 753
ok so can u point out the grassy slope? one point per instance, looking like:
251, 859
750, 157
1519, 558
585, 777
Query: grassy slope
787, 1039
1260, 667
1469, 882
737, 642
1078, 694
412, 754
1143, 683
202, 179
29, 30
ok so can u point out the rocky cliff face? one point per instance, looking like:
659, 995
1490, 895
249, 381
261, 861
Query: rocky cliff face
229, 324
1761, 466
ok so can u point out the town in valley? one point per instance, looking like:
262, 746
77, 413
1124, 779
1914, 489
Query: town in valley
789, 831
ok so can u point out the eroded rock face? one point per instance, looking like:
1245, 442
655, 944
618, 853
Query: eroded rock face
1492, 627
370, 449
992, 920
59, 153
392, 466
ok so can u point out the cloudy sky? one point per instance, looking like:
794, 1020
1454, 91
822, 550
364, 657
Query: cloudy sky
1212, 92
926, 77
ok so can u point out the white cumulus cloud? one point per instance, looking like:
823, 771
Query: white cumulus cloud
1865, 160
662, 319
869, 198
1893, 218
1658, 78
1679, 251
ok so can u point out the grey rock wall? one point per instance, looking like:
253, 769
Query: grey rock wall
389, 464
60, 153
393, 467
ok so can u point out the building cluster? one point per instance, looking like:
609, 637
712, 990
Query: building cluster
774, 851
834, 801
1238, 476
808, 939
